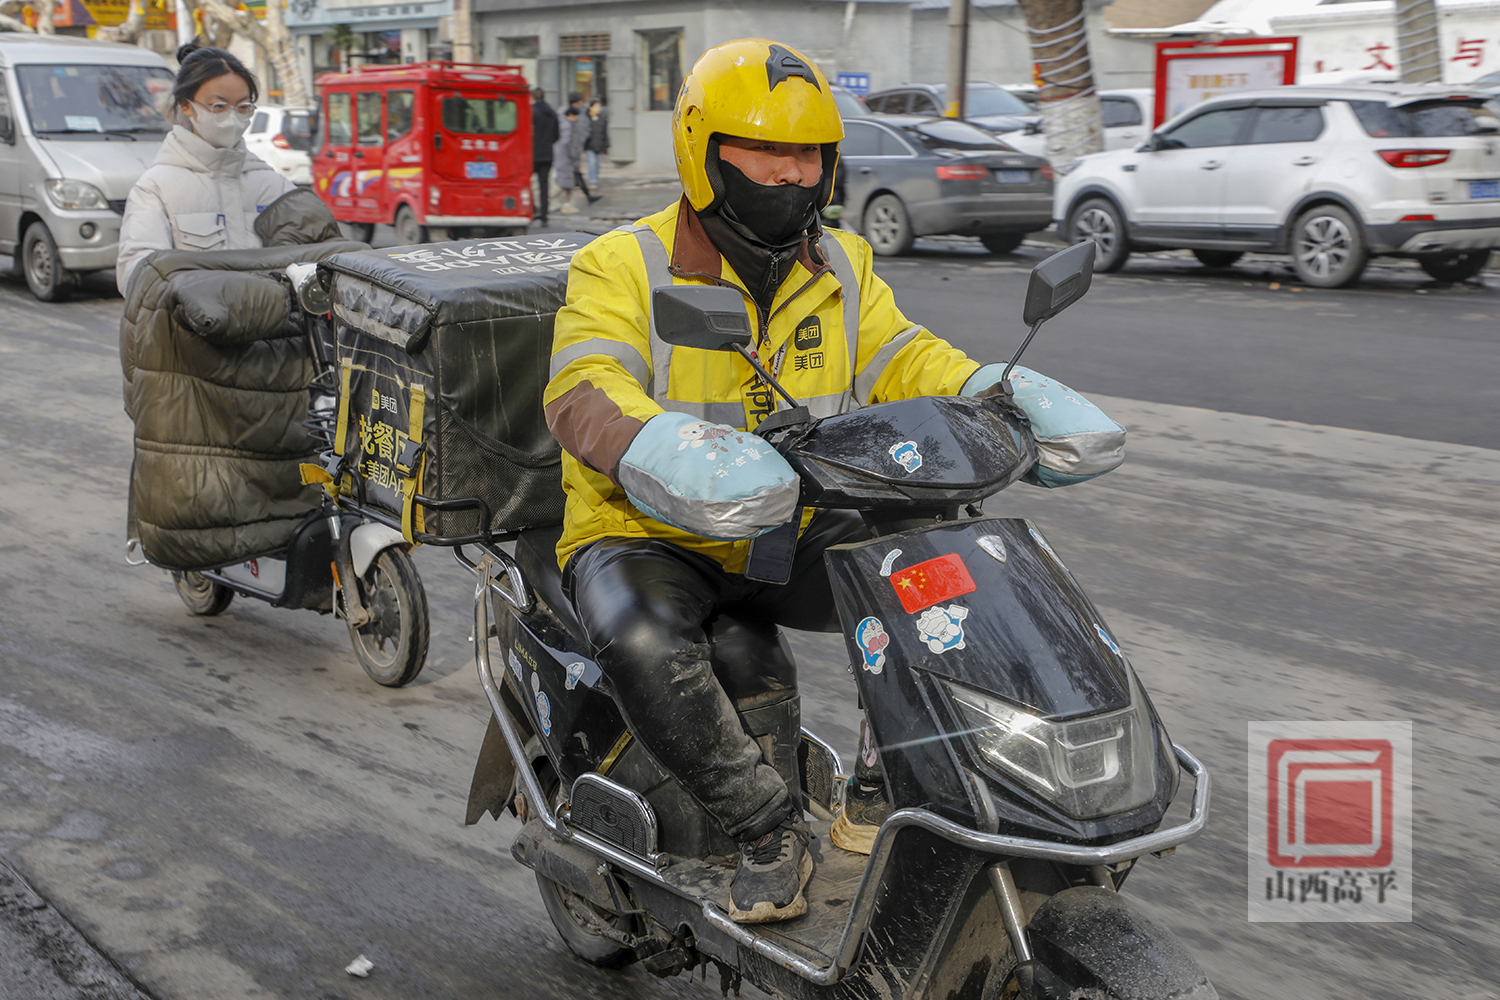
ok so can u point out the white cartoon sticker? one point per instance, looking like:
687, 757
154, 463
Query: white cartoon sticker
943, 628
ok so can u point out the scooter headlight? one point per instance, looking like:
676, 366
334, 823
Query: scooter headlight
75, 195
1093, 766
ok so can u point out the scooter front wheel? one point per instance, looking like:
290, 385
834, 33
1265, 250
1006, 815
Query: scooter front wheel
392, 645
202, 595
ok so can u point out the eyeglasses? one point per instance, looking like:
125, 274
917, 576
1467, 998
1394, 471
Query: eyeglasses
221, 110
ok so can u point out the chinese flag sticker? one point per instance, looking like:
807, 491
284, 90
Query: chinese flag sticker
926, 583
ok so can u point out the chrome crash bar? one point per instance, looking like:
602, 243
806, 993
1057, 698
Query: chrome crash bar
885, 838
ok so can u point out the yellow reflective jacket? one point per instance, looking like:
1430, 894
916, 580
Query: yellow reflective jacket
834, 339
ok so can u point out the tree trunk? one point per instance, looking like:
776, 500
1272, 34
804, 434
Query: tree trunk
1417, 41
44, 11
463, 31
129, 30
283, 55
1070, 106
272, 37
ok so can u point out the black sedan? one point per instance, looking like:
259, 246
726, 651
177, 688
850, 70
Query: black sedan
906, 176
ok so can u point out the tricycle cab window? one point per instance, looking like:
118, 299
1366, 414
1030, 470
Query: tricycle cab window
479, 115
339, 129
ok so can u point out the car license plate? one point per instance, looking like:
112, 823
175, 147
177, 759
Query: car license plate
1484, 189
1013, 176
480, 170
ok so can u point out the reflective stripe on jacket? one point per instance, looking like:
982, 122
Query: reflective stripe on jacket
834, 339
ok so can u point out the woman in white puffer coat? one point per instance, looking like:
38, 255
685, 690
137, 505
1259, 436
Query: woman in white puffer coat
205, 189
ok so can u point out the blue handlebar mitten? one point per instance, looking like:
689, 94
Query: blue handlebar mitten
1075, 441
706, 478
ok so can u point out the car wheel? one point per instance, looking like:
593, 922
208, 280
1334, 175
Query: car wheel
1328, 250
43, 267
1099, 220
1460, 266
1002, 242
409, 232
1218, 258
887, 226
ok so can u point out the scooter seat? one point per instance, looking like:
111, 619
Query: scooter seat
536, 554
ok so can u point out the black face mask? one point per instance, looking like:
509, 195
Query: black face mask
774, 213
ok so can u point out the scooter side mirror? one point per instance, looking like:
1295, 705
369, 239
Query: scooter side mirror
707, 318
1058, 282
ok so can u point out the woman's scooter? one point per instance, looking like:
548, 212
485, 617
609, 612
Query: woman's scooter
336, 560
1026, 767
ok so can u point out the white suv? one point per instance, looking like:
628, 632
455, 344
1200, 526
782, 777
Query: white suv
1329, 175
283, 138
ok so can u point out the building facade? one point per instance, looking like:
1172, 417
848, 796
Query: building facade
336, 35
633, 55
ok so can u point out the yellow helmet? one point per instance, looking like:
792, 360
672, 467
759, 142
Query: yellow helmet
754, 89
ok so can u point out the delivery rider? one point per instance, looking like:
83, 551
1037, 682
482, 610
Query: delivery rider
667, 485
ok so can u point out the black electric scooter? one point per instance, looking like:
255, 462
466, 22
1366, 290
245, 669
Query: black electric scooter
1026, 766
349, 562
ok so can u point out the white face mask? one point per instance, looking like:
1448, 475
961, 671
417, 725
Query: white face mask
222, 129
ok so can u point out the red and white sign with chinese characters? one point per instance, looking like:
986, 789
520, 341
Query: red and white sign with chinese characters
1357, 43
1188, 73
1330, 821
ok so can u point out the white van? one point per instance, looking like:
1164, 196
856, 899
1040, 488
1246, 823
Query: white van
78, 125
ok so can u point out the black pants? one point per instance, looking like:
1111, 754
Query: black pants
580, 183
689, 647
543, 173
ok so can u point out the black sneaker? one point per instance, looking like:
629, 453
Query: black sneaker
772, 872
859, 816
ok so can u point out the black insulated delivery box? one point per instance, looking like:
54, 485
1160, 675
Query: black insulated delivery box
443, 354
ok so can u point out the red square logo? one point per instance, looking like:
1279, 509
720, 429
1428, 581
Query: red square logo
1329, 803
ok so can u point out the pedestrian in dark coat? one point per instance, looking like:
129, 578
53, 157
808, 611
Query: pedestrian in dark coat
597, 143
544, 135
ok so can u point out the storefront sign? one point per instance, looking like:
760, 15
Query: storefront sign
858, 83
304, 13
94, 14
1188, 73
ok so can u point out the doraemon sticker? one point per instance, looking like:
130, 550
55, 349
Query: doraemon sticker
574, 675
543, 706
943, 628
1107, 640
544, 712
906, 455
1043, 543
515, 665
871, 638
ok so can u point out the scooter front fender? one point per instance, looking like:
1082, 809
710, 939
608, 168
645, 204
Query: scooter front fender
1089, 938
367, 541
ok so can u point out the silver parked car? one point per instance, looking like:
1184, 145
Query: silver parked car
906, 176
993, 108
78, 125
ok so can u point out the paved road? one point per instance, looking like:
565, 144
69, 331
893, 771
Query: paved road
227, 807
